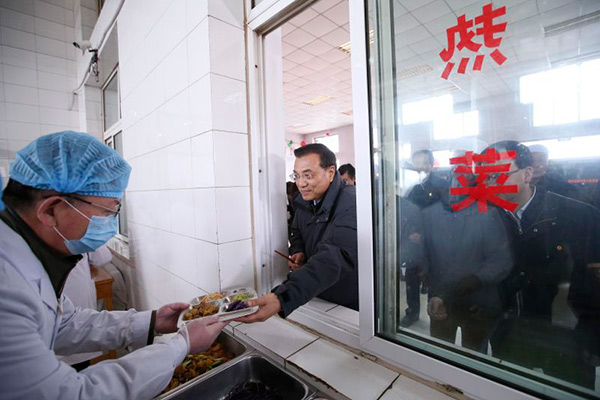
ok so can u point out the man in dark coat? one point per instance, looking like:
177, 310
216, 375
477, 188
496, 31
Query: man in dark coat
430, 190
555, 241
323, 239
467, 256
410, 244
423, 195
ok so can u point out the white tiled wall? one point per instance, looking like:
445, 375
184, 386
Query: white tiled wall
183, 93
37, 72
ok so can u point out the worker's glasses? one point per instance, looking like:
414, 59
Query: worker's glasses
110, 210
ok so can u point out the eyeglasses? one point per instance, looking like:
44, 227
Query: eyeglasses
497, 175
306, 176
111, 210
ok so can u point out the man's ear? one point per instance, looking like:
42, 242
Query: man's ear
528, 174
47, 209
331, 173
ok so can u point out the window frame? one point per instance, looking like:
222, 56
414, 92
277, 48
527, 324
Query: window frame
116, 127
261, 19
120, 242
443, 366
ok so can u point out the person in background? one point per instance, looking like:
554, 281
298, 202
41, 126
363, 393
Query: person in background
431, 186
81, 290
348, 174
429, 191
467, 255
61, 201
323, 241
548, 181
410, 243
555, 242
292, 191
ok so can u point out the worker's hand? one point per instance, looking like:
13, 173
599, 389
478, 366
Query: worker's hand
201, 333
166, 317
437, 309
268, 304
299, 259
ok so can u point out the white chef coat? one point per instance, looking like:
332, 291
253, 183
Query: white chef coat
33, 323
81, 290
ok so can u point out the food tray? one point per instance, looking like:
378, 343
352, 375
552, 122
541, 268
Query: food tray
229, 296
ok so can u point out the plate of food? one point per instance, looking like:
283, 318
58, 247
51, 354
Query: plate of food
228, 304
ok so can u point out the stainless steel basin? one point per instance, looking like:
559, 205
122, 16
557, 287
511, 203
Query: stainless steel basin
249, 368
231, 344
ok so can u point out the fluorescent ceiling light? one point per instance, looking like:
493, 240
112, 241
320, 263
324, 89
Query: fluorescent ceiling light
573, 23
318, 100
347, 47
414, 71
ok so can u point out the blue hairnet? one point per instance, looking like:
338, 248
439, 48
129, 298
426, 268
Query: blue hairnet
71, 162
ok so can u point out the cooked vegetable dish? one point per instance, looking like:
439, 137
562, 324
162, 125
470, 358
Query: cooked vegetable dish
209, 305
197, 364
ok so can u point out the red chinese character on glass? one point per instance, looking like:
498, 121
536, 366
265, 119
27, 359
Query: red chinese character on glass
463, 28
481, 192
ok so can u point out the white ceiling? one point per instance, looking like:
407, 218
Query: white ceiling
313, 66
420, 34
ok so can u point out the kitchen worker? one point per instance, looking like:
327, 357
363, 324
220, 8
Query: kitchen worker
62, 200
81, 290
323, 241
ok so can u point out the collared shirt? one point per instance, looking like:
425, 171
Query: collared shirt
521, 210
57, 267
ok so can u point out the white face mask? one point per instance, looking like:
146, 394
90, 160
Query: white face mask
423, 176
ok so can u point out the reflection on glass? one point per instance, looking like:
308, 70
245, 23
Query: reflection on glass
111, 102
517, 280
563, 95
123, 230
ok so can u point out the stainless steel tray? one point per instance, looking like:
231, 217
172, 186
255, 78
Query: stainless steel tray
232, 344
251, 367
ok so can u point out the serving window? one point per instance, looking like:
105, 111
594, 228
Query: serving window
485, 172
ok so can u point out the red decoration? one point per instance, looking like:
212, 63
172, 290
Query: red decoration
466, 34
481, 192
302, 143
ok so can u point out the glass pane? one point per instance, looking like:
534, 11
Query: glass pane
486, 138
111, 102
123, 230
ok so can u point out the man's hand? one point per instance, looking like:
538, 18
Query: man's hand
202, 332
268, 304
166, 317
299, 259
437, 309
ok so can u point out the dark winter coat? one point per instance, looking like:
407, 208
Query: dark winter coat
553, 243
460, 246
326, 234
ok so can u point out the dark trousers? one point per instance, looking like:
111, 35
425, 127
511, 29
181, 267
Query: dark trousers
413, 292
474, 331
